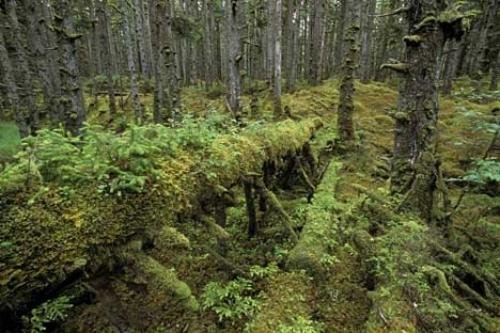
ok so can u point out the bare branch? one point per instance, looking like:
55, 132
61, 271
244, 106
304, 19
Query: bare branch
396, 12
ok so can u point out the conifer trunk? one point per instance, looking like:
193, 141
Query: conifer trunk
350, 60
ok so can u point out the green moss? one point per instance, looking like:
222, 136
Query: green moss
287, 296
318, 235
10, 141
164, 281
412, 39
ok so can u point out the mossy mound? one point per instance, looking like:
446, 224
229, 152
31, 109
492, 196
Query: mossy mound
287, 296
46, 242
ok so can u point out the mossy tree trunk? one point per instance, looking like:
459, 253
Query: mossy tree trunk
346, 105
414, 164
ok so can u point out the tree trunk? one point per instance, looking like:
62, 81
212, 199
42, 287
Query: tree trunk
207, 42
25, 88
414, 164
494, 73
367, 31
317, 17
11, 88
338, 49
291, 54
104, 36
234, 55
277, 9
148, 45
130, 48
169, 56
71, 99
350, 60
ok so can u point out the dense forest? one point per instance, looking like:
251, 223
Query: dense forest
281, 166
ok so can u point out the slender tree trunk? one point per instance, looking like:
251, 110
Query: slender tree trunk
338, 50
148, 45
169, 56
234, 55
494, 73
104, 34
134, 88
141, 40
159, 98
277, 57
317, 27
291, 32
207, 42
346, 105
71, 99
367, 31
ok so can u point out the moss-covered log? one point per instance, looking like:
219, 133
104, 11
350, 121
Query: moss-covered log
50, 234
319, 230
163, 281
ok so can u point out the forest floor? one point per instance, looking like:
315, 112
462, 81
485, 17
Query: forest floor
270, 297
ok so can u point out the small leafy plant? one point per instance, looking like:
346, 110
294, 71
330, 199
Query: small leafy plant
301, 325
231, 301
50, 311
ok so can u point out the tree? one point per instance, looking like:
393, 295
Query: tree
350, 59
134, 88
291, 31
26, 93
367, 32
71, 95
415, 167
276, 27
317, 29
104, 37
11, 87
233, 7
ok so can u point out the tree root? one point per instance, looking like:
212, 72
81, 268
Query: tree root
489, 281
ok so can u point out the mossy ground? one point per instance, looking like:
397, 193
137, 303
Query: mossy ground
10, 142
342, 301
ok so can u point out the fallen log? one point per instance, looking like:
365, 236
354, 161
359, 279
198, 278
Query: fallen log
318, 232
49, 235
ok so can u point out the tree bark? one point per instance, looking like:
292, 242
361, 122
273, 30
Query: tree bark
277, 9
350, 60
9, 81
338, 49
317, 27
291, 54
130, 48
72, 98
234, 55
25, 89
414, 164
104, 37
367, 31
